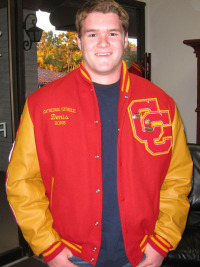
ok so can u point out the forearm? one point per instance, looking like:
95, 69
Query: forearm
174, 204
26, 192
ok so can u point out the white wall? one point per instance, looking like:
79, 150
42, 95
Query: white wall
174, 65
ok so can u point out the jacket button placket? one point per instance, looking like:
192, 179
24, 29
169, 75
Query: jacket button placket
97, 156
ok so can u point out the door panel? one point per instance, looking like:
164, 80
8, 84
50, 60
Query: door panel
8, 227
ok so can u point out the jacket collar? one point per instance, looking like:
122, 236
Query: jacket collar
124, 80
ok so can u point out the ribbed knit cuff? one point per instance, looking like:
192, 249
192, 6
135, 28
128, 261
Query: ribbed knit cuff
53, 251
160, 244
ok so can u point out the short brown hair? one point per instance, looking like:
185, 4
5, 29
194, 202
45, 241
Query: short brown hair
103, 6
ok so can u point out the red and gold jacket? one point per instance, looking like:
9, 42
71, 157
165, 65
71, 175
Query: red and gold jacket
54, 178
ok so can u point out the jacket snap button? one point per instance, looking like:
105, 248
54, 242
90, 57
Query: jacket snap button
96, 156
92, 259
94, 249
96, 223
98, 191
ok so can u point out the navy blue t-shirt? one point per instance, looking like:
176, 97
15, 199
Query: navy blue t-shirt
112, 252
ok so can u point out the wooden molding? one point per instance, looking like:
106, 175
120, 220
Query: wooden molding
195, 44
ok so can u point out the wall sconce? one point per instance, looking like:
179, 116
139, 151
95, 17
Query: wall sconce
34, 33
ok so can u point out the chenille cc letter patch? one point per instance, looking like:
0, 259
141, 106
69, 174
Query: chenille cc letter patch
151, 126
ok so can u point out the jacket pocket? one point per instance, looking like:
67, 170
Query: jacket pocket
51, 197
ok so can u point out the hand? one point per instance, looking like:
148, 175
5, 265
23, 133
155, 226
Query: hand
153, 258
62, 259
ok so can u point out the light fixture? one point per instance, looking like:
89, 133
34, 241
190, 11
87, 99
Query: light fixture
34, 33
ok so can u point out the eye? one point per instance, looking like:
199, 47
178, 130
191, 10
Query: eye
113, 34
92, 35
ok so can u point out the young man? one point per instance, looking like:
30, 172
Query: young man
100, 170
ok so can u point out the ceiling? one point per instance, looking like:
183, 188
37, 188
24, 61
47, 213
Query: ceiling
62, 12
50, 5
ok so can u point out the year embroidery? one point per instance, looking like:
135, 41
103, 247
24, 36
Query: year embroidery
151, 126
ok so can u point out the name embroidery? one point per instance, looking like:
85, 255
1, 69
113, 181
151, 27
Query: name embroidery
151, 126
58, 114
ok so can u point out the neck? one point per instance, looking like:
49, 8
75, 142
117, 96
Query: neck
106, 79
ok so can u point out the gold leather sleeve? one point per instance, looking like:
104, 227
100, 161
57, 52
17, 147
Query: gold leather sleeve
174, 204
26, 192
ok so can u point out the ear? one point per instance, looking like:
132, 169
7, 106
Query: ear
126, 40
79, 42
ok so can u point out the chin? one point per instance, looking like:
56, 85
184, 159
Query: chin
104, 67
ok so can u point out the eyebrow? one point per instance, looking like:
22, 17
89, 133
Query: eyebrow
110, 30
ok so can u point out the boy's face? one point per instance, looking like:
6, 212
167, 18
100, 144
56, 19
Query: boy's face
102, 43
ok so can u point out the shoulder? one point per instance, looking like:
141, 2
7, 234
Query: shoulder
143, 88
150, 96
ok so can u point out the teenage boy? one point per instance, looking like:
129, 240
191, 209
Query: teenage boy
100, 170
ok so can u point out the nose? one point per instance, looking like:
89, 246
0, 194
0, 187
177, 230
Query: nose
103, 40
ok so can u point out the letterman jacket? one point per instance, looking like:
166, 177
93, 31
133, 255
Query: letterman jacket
54, 178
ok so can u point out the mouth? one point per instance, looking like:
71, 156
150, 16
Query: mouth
103, 54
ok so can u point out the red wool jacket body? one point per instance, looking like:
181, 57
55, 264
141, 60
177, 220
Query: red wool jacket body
54, 179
